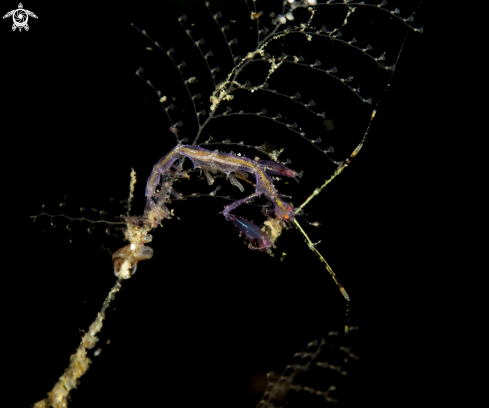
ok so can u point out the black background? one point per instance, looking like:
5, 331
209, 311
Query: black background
206, 315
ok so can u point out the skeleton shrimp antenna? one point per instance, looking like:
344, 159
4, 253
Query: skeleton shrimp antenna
344, 164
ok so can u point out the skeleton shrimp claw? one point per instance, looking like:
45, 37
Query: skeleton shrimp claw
259, 241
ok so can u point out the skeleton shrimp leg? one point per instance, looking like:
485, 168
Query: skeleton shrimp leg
235, 204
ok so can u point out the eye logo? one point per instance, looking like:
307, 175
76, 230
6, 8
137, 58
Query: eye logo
20, 17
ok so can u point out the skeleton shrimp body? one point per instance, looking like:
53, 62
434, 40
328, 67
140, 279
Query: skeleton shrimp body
227, 163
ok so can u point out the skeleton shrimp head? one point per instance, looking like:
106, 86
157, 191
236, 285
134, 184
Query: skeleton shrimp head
283, 211
259, 241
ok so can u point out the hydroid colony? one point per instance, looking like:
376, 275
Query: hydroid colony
227, 88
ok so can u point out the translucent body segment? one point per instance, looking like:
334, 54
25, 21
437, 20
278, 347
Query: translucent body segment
214, 160
209, 177
161, 167
259, 241
234, 181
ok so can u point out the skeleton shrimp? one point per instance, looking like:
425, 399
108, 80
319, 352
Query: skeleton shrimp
227, 163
